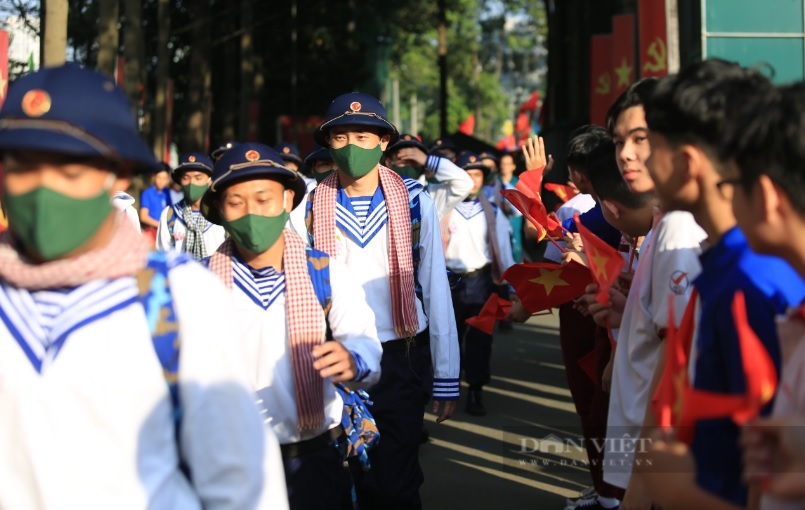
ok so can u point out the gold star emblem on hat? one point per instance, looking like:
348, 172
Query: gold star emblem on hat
36, 103
286, 150
355, 106
191, 159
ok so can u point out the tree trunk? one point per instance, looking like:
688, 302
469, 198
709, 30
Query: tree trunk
54, 40
162, 76
108, 39
200, 78
133, 51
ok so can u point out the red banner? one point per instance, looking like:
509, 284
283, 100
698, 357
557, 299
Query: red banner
653, 37
600, 78
3, 66
623, 53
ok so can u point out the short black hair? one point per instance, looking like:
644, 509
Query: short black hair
703, 104
771, 142
582, 142
636, 95
607, 181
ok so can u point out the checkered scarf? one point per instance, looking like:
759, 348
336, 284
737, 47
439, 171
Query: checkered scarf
305, 322
124, 255
401, 264
194, 240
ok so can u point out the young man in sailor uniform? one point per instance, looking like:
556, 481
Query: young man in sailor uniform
387, 230
447, 183
108, 399
477, 248
182, 226
288, 299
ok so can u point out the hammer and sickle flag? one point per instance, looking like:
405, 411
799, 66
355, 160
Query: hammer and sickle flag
653, 36
600, 77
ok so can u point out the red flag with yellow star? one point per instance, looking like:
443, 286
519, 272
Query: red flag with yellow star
530, 182
759, 371
3, 66
493, 310
653, 35
605, 262
601, 78
668, 397
544, 285
562, 191
623, 53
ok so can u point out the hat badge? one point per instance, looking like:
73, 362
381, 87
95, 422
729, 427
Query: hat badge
252, 155
36, 103
286, 150
438, 142
472, 159
191, 159
355, 106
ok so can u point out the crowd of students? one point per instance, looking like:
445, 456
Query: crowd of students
211, 372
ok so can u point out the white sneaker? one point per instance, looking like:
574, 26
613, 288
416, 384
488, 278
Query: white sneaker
588, 493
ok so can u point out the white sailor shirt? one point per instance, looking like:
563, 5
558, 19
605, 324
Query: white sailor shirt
468, 248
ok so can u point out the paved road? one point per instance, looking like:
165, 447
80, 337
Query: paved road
493, 461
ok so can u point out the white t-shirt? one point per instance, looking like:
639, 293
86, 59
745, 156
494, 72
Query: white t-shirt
669, 261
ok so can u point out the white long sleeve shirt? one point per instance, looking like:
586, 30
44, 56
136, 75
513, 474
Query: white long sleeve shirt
468, 248
172, 233
454, 184
268, 359
370, 268
95, 430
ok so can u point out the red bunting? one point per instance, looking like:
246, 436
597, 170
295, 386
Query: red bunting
562, 191
605, 262
468, 126
493, 310
544, 285
531, 104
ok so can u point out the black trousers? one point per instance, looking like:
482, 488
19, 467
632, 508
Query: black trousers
469, 296
318, 480
394, 479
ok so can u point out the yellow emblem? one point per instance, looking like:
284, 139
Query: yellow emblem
658, 56
549, 279
36, 103
624, 72
604, 85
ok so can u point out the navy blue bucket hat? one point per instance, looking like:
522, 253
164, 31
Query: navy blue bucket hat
318, 154
196, 161
72, 110
355, 109
249, 161
470, 161
219, 151
406, 140
288, 152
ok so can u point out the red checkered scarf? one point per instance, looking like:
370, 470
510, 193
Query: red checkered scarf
401, 263
124, 255
304, 319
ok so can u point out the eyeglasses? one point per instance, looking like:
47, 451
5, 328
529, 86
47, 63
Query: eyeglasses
727, 182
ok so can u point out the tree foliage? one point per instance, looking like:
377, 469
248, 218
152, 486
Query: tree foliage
339, 47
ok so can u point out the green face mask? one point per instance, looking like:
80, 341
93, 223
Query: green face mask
51, 224
192, 192
356, 161
256, 233
406, 171
323, 175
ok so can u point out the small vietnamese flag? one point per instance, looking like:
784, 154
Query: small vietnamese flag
493, 310
562, 191
605, 262
544, 285
530, 182
759, 370
667, 400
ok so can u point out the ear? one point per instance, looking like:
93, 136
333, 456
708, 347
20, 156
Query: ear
384, 141
290, 194
770, 198
612, 208
688, 160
